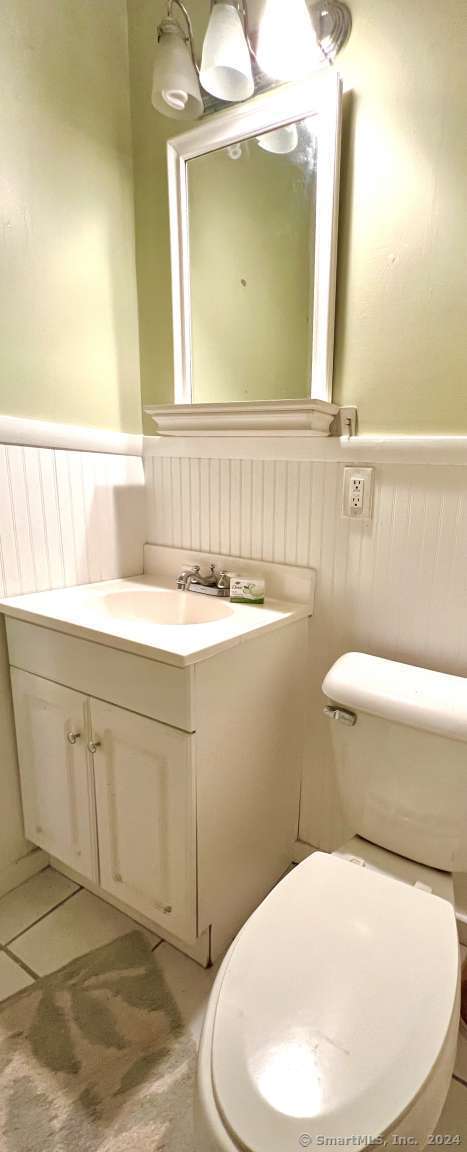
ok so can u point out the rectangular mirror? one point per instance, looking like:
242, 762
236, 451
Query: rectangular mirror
253, 215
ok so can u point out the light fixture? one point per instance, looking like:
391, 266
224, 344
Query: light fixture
292, 42
226, 70
287, 42
333, 24
175, 89
293, 38
281, 141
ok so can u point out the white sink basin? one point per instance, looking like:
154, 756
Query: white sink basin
161, 606
141, 615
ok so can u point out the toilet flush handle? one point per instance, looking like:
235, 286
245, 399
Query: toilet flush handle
342, 715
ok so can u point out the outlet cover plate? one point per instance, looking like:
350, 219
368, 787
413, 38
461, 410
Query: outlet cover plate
368, 476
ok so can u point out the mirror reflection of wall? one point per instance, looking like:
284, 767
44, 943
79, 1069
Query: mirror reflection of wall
252, 222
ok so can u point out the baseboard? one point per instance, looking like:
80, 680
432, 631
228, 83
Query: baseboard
15, 874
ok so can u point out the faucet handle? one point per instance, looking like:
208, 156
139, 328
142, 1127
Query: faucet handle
224, 580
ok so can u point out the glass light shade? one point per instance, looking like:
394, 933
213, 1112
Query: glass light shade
175, 89
226, 64
281, 141
287, 43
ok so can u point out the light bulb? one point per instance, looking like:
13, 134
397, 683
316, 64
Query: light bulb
226, 65
287, 43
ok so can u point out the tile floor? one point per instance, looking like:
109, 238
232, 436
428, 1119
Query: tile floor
49, 921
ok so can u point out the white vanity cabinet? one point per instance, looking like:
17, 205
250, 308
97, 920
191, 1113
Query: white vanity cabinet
172, 791
145, 802
92, 774
56, 775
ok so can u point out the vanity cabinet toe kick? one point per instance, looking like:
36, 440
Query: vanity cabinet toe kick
184, 829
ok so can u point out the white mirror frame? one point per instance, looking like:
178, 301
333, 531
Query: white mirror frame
320, 96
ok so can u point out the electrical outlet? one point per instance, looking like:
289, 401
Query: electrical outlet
358, 492
357, 488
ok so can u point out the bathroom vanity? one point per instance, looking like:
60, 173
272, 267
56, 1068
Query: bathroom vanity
160, 741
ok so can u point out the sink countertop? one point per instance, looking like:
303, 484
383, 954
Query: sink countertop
85, 611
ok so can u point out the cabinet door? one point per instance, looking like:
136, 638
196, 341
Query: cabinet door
55, 770
146, 816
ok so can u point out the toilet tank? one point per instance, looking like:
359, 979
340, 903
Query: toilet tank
400, 740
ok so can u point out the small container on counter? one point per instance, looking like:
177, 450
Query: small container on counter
247, 590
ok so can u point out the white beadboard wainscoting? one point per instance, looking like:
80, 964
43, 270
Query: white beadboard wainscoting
66, 517
396, 587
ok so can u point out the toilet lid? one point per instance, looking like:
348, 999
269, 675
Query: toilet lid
335, 1003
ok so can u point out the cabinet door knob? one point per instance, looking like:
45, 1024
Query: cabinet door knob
93, 746
73, 737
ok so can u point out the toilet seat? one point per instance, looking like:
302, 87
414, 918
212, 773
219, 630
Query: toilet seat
333, 1007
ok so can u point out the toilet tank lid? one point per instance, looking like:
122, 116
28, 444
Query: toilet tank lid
402, 693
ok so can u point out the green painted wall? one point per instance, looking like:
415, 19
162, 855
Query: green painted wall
68, 309
401, 343
150, 135
401, 346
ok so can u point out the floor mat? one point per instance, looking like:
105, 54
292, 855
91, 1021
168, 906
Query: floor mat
95, 1058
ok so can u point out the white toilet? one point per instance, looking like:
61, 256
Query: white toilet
333, 1019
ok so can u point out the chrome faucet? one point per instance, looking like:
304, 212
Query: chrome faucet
185, 577
216, 583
